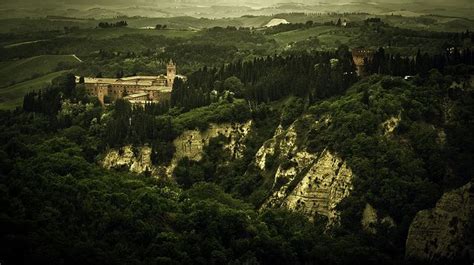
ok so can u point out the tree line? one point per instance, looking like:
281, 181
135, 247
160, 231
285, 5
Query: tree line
119, 24
314, 76
397, 65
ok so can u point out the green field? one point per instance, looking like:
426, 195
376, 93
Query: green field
299, 34
109, 33
329, 36
12, 96
12, 72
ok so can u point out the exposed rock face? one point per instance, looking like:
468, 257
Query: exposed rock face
390, 124
268, 149
327, 182
370, 218
189, 144
134, 159
306, 182
445, 231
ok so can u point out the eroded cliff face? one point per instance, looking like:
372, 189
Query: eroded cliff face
135, 160
326, 183
370, 218
444, 232
189, 144
304, 181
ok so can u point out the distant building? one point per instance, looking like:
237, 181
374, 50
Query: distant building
344, 23
276, 22
360, 56
136, 89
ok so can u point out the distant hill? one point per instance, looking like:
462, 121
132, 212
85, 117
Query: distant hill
12, 72
224, 8
12, 96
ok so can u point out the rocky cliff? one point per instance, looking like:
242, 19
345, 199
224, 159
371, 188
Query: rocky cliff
444, 232
189, 144
135, 160
312, 183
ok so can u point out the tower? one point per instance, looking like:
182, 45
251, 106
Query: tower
170, 73
360, 56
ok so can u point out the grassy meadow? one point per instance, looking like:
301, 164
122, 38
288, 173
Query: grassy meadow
12, 96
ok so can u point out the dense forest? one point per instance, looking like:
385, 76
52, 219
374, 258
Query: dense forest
314, 76
59, 205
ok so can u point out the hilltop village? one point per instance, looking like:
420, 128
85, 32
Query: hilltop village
136, 89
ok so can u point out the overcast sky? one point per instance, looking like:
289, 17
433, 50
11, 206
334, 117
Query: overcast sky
227, 2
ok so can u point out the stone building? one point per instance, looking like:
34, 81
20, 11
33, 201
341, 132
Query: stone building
136, 89
360, 56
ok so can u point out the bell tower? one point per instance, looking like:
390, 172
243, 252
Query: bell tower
170, 73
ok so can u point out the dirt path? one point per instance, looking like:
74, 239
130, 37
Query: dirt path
22, 43
75, 56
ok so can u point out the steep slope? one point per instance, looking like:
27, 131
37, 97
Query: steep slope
312, 183
14, 72
189, 144
443, 232
367, 161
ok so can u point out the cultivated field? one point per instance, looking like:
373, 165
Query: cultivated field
12, 96
12, 72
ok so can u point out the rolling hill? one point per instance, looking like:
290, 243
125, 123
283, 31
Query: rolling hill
13, 72
12, 96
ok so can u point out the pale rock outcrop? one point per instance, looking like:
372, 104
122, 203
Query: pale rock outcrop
136, 160
441, 139
444, 232
370, 218
283, 141
391, 124
304, 181
322, 188
319, 184
189, 144
286, 175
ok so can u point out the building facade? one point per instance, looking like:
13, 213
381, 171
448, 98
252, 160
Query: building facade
360, 56
136, 89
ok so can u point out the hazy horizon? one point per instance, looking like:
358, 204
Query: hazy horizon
101, 9
261, 3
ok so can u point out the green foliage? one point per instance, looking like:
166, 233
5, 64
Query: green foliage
162, 152
58, 206
291, 111
217, 112
13, 72
399, 172
233, 84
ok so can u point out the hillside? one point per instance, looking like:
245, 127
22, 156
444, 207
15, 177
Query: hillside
12, 72
343, 137
362, 164
12, 96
